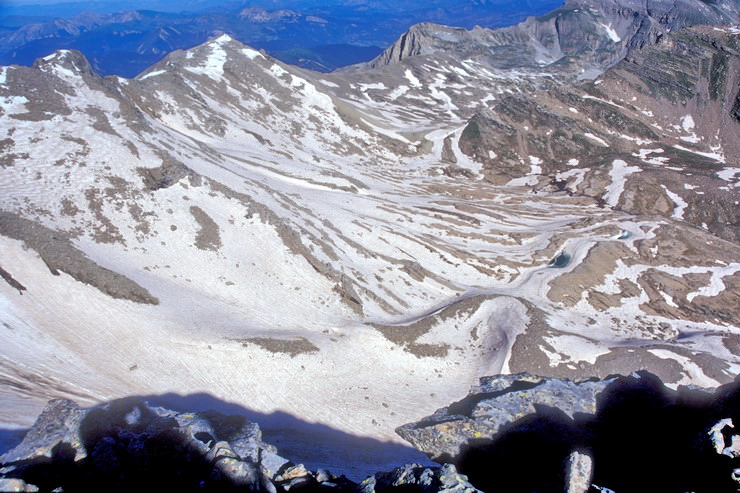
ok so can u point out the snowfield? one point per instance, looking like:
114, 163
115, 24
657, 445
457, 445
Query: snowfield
326, 247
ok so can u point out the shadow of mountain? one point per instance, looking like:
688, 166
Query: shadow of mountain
314, 444
10, 437
128, 448
643, 438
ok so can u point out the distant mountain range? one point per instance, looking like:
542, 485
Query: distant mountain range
317, 35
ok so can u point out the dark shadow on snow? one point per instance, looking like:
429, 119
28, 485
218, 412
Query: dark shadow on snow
313, 444
166, 463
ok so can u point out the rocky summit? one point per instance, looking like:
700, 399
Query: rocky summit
339, 254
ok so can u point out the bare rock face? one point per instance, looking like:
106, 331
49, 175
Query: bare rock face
585, 433
584, 38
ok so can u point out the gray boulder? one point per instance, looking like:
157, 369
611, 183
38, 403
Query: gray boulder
415, 477
121, 442
58, 423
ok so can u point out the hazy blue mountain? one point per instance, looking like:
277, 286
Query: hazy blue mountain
318, 35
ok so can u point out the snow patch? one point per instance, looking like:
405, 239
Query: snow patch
710, 155
619, 173
535, 168
153, 74
715, 286
398, 92
597, 139
213, 66
728, 174
680, 204
252, 54
693, 374
13, 104
611, 33
636, 140
573, 162
572, 348
644, 153
412, 78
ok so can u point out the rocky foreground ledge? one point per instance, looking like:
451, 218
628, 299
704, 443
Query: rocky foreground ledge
512, 433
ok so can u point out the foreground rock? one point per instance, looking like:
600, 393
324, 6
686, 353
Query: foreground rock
621, 433
126, 445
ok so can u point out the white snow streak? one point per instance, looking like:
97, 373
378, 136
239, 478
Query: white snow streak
680, 204
619, 173
412, 79
611, 33
153, 74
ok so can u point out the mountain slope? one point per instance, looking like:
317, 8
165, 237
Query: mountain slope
287, 240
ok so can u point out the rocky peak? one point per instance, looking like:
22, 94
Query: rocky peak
599, 33
67, 63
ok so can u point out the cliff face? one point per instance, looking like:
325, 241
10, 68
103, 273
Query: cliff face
666, 110
579, 39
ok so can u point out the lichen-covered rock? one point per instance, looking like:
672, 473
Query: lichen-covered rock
586, 432
495, 403
58, 423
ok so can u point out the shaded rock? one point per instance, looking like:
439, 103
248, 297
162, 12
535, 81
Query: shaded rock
496, 403
117, 445
299, 483
272, 463
238, 473
717, 436
668, 440
323, 476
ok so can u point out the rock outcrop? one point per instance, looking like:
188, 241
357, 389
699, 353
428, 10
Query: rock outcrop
586, 432
512, 433
127, 445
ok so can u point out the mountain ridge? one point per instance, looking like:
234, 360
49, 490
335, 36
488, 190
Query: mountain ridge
577, 28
